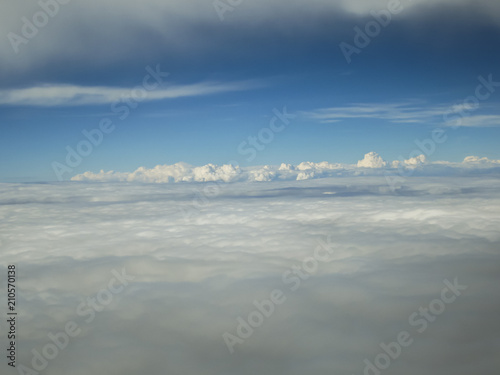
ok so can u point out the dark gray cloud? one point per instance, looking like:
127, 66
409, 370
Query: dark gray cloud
90, 41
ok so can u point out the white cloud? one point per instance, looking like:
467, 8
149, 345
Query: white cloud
372, 160
411, 162
182, 172
364, 7
480, 161
471, 163
60, 95
179, 172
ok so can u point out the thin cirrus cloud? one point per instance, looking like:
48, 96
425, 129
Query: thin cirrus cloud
481, 121
74, 95
394, 112
406, 112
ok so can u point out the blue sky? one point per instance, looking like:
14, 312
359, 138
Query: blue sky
226, 79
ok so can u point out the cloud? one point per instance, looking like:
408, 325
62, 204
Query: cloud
394, 112
198, 265
372, 160
371, 164
70, 95
477, 121
481, 161
95, 36
180, 172
407, 113
411, 162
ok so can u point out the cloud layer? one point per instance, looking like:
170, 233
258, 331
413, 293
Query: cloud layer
202, 254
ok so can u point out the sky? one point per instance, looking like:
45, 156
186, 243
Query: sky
198, 81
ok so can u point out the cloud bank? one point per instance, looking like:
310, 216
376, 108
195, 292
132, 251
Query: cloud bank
371, 164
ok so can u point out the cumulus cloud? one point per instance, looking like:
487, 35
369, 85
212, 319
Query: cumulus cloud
183, 172
411, 162
199, 261
371, 164
179, 172
372, 160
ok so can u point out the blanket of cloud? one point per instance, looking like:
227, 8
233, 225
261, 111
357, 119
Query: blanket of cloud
371, 164
199, 264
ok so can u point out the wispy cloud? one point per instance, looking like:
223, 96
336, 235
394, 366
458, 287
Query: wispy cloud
480, 121
403, 113
394, 112
74, 95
